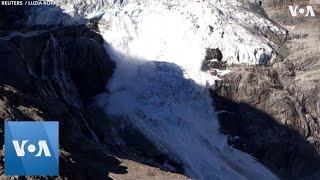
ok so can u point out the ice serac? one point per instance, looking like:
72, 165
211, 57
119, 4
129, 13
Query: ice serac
170, 27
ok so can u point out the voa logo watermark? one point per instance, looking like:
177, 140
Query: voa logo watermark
306, 11
42, 148
31, 148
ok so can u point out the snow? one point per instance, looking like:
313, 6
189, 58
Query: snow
175, 113
158, 86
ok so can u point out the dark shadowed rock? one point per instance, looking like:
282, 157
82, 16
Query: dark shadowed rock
271, 113
63, 58
12, 17
39, 79
213, 54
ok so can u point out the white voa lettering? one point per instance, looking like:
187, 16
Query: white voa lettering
310, 11
294, 10
42, 144
43, 147
19, 148
307, 11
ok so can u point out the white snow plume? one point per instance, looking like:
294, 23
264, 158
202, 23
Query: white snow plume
175, 113
158, 85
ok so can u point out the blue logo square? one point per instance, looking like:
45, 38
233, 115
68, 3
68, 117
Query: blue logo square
31, 148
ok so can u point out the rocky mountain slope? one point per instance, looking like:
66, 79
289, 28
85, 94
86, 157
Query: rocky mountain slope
124, 79
273, 111
40, 73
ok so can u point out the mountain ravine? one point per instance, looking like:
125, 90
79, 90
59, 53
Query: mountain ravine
167, 89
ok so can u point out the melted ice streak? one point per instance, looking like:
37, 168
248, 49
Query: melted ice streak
158, 86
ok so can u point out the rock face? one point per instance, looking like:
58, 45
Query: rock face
270, 122
12, 17
273, 111
213, 54
213, 60
62, 61
39, 79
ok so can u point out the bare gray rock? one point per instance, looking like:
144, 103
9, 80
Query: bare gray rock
267, 120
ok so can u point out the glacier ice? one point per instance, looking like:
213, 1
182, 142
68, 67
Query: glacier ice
196, 25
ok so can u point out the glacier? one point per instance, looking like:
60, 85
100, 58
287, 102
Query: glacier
158, 85
228, 25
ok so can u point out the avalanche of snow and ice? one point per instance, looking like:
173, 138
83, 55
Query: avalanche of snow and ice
158, 85
176, 114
